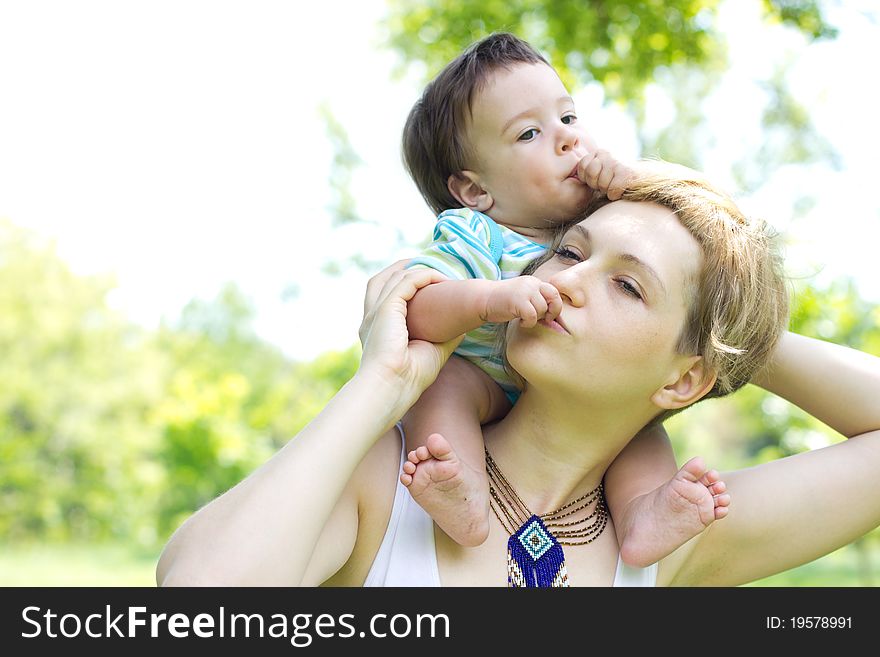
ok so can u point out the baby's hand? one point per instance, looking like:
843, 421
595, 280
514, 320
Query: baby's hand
526, 297
602, 172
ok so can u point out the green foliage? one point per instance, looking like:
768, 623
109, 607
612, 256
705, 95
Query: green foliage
622, 44
805, 15
685, 138
109, 431
837, 314
231, 401
76, 383
343, 208
345, 162
789, 137
619, 43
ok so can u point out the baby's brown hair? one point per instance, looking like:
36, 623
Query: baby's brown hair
434, 140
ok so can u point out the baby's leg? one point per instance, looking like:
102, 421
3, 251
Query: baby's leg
656, 509
445, 470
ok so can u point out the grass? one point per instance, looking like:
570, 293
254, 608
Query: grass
77, 565
122, 565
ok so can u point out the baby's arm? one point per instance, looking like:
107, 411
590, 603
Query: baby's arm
467, 248
446, 475
656, 509
445, 310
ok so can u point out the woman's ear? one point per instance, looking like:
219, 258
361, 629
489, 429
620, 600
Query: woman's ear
692, 384
465, 187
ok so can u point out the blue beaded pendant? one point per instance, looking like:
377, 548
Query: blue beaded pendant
535, 557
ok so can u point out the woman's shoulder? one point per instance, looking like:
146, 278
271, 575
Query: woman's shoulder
376, 476
373, 486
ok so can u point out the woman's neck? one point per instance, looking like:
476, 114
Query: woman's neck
551, 452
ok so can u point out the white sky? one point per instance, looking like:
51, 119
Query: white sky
177, 144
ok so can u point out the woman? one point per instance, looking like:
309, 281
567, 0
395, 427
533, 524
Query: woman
670, 296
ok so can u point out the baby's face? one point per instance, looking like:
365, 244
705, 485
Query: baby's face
528, 141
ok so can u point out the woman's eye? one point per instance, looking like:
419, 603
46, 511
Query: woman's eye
568, 119
629, 288
567, 254
528, 135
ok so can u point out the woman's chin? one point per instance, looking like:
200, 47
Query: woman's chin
524, 347
537, 363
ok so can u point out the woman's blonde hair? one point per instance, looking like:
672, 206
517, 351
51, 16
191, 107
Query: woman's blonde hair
739, 302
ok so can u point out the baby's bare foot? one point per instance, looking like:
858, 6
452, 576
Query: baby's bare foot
659, 522
454, 495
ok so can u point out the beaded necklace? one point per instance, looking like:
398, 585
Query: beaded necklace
534, 552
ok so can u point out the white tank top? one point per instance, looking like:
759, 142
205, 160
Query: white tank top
408, 556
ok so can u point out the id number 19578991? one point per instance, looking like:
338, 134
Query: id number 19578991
809, 623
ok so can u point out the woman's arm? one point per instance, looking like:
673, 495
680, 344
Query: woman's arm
264, 530
837, 385
270, 528
793, 510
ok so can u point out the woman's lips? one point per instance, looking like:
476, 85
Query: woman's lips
554, 325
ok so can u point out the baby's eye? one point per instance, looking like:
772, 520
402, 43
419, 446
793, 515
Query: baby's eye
568, 119
564, 253
528, 135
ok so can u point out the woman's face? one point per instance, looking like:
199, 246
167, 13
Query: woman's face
626, 275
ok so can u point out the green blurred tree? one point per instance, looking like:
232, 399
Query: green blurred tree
76, 384
343, 207
231, 401
619, 43
110, 431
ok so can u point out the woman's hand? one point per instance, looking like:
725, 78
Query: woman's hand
388, 351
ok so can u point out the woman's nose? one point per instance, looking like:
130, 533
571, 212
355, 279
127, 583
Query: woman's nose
569, 282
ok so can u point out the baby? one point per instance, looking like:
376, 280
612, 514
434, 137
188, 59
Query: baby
496, 137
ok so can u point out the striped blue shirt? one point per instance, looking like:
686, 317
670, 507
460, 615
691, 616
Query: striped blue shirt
467, 245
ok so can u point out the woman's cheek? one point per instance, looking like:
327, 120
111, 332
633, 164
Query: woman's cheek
638, 344
522, 351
